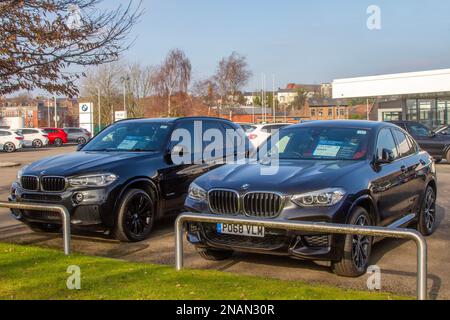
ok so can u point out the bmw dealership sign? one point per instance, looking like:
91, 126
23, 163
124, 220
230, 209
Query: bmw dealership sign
86, 116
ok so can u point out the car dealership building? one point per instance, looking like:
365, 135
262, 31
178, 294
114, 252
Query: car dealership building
415, 96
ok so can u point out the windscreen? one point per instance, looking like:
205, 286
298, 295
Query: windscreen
320, 143
131, 136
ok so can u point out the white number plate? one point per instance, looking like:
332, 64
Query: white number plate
241, 230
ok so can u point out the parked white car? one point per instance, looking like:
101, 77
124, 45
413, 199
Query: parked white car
258, 133
10, 141
35, 138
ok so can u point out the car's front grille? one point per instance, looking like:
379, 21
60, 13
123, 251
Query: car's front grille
29, 183
53, 184
262, 204
318, 241
224, 201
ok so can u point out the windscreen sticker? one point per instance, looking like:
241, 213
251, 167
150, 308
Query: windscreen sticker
324, 150
362, 132
327, 149
127, 144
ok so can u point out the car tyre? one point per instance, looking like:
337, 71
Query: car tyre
215, 255
44, 227
135, 216
81, 141
427, 216
9, 147
357, 249
37, 144
58, 142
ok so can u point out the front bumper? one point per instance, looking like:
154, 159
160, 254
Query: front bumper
93, 211
301, 245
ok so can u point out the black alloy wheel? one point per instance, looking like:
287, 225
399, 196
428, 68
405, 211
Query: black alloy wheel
427, 217
136, 216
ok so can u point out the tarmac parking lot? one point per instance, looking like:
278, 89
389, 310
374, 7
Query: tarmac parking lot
396, 258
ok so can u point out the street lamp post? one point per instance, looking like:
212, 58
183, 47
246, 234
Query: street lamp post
125, 80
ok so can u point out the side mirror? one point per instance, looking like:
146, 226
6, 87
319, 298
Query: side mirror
387, 156
80, 147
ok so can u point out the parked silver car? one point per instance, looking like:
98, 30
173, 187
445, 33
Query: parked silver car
78, 135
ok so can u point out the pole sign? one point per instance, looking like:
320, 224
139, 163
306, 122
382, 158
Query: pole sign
120, 115
86, 116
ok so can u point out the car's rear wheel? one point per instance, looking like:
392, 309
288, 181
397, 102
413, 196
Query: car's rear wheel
357, 249
427, 217
214, 255
81, 141
44, 227
9, 147
58, 142
135, 217
38, 144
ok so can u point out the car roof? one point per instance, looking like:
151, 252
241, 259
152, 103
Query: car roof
171, 120
361, 124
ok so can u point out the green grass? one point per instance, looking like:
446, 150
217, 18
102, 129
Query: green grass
35, 273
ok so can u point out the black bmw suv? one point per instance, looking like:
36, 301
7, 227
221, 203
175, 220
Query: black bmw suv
124, 179
436, 143
349, 172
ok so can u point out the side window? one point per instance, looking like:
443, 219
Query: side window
386, 141
419, 130
404, 147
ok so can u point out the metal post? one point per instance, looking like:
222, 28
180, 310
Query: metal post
65, 217
56, 112
99, 110
313, 227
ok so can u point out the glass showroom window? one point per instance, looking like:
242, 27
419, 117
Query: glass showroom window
411, 108
426, 112
441, 114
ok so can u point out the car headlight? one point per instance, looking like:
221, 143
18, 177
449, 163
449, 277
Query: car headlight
20, 173
320, 198
94, 180
196, 193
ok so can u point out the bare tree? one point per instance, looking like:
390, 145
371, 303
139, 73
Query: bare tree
139, 87
231, 75
206, 90
173, 76
40, 39
106, 79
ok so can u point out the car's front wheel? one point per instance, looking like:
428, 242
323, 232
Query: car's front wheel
214, 255
135, 216
357, 249
427, 217
9, 147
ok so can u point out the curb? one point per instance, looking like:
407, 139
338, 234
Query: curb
9, 164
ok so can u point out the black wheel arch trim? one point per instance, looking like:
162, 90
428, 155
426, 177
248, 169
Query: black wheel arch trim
360, 200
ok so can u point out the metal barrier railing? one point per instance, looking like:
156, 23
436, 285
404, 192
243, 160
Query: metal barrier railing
64, 213
313, 227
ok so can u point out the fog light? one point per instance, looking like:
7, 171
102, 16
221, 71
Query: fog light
78, 197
